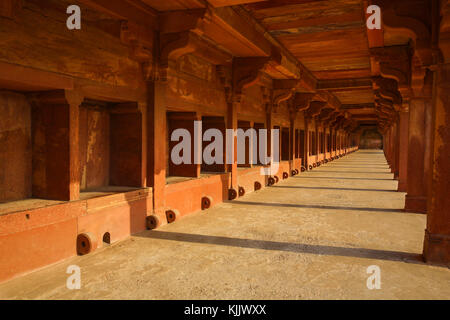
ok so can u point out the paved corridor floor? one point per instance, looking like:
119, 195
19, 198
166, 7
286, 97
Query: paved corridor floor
312, 236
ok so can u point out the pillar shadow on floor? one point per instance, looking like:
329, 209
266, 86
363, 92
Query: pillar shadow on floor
354, 172
371, 167
329, 188
341, 178
292, 205
365, 163
285, 246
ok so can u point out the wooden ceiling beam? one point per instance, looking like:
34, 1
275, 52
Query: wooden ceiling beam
344, 84
358, 106
236, 33
134, 11
226, 3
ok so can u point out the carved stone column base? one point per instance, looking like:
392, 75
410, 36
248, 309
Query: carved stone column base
436, 249
416, 204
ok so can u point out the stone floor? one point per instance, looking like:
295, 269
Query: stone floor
310, 237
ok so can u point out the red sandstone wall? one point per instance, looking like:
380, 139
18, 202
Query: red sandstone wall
186, 197
15, 147
252, 106
94, 148
126, 149
371, 139
281, 116
31, 239
194, 87
300, 121
50, 134
94, 52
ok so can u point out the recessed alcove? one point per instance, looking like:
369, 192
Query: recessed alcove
259, 126
15, 146
110, 148
217, 123
284, 148
300, 145
246, 126
186, 169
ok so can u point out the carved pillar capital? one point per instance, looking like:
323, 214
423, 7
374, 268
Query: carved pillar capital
74, 97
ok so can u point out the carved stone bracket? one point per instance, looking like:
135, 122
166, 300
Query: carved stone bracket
411, 19
175, 39
246, 72
315, 108
332, 118
403, 18
336, 124
301, 101
283, 90
388, 89
325, 114
138, 39
394, 62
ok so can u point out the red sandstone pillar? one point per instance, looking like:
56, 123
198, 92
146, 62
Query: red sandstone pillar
232, 123
74, 99
156, 127
428, 141
251, 143
143, 110
397, 148
390, 148
416, 198
403, 150
437, 235
389, 142
307, 143
332, 133
317, 141
292, 140
394, 148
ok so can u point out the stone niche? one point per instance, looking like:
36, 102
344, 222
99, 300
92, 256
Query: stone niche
219, 124
181, 120
300, 144
15, 147
110, 138
284, 148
